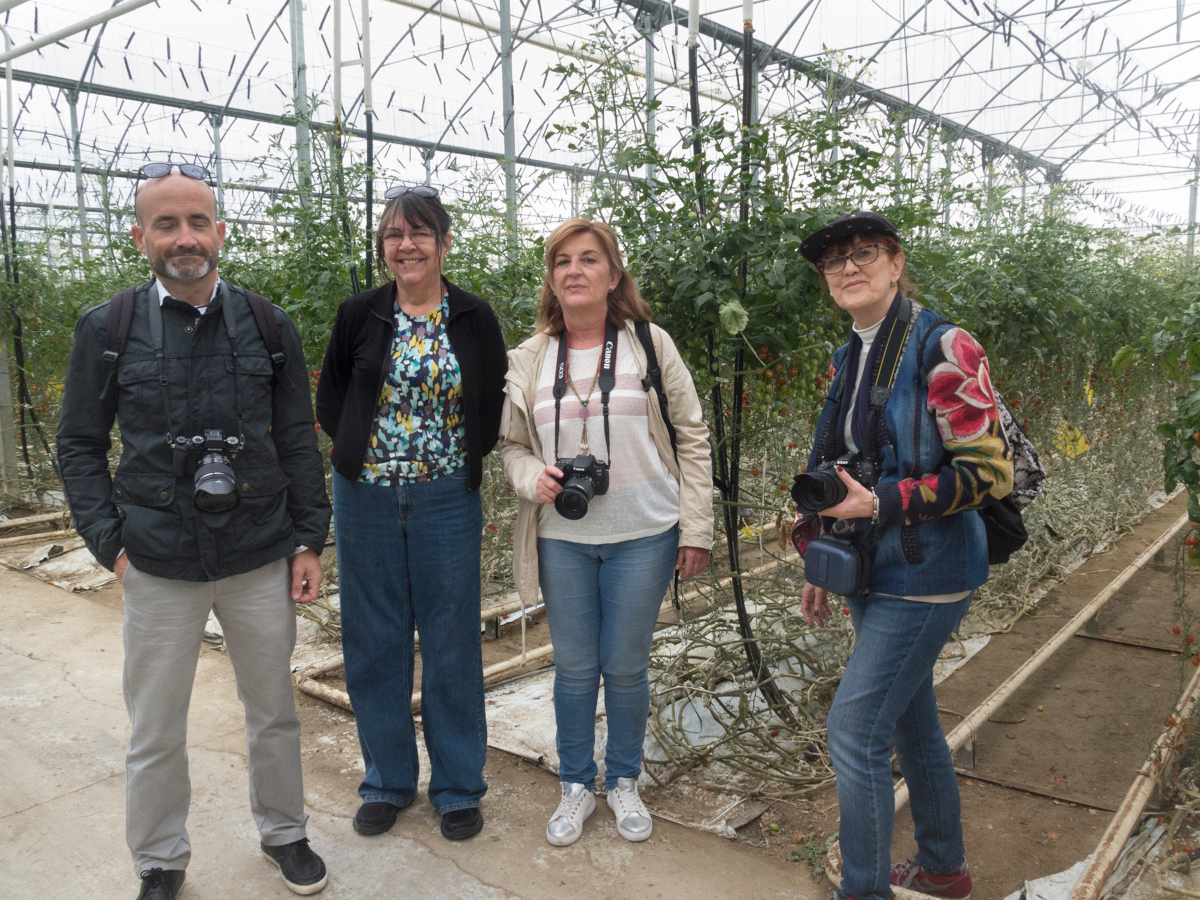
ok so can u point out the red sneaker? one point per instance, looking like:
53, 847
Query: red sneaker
955, 886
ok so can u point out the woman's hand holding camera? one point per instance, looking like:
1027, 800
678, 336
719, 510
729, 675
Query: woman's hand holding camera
814, 605
549, 485
858, 503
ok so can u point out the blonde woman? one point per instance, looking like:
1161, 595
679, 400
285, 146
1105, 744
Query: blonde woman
609, 508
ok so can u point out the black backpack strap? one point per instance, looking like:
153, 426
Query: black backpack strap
268, 328
654, 380
894, 343
120, 318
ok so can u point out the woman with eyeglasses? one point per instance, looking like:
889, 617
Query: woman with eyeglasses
411, 392
912, 445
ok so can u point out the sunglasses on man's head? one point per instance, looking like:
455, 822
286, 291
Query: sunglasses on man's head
421, 190
162, 170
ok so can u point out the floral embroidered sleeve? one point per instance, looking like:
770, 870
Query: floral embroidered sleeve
963, 401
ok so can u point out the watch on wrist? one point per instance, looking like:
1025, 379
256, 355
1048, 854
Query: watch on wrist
874, 507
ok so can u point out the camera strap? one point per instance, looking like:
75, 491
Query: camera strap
156, 337
607, 379
894, 342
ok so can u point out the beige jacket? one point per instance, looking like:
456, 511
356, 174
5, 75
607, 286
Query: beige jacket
524, 460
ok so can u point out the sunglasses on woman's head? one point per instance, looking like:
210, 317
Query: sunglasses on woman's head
162, 170
421, 190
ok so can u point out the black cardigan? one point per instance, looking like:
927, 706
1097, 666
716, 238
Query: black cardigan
357, 360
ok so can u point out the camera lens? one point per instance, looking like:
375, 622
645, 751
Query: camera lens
572, 503
815, 491
216, 491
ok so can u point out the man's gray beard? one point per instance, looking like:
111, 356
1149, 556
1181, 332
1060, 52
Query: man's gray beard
166, 268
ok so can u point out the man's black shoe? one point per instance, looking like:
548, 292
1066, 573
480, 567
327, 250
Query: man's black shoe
303, 871
375, 817
161, 884
460, 824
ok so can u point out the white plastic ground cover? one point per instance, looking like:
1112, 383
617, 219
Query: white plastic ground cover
520, 716
73, 570
1059, 885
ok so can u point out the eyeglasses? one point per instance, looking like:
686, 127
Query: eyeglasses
416, 235
421, 190
863, 256
161, 170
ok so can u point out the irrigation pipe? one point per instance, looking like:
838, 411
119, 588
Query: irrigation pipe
969, 725
306, 677
1104, 859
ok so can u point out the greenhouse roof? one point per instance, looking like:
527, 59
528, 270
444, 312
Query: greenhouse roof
1102, 92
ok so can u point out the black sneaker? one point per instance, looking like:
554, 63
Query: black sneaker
375, 817
303, 871
161, 884
460, 824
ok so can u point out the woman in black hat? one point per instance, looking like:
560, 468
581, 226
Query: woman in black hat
911, 444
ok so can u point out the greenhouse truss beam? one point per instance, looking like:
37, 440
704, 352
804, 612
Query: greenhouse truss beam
666, 13
214, 109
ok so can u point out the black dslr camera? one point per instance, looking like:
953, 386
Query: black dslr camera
837, 564
820, 489
214, 480
583, 478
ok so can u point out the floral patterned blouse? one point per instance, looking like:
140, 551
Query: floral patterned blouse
419, 433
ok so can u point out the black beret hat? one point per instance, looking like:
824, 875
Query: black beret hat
842, 229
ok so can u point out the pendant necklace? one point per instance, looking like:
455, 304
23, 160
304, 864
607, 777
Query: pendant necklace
583, 412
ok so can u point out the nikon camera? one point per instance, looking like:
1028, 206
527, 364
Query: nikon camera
820, 489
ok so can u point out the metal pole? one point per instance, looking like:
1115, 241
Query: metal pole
510, 125
1191, 239
337, 68
427, 158
73, 103
216, 131
368, 111
81, 25
9, 465
651, 126
300, 94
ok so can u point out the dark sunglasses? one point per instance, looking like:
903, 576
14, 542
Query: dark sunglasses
421, 190
161, 170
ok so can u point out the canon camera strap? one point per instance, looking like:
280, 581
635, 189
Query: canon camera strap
606, 381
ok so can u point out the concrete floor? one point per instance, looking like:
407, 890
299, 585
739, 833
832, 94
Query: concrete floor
62, 736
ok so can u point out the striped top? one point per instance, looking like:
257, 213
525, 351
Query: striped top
643, 496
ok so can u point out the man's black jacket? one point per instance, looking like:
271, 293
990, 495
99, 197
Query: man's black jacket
145, 508
359, 355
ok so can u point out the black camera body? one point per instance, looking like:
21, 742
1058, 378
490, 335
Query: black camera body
584, 477
837, 564
204, 456
822, 488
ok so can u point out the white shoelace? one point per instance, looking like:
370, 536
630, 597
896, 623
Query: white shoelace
630, 803
569, 806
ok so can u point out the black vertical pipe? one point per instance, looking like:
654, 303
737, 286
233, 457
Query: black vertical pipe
369, 264
726, 476
342, 202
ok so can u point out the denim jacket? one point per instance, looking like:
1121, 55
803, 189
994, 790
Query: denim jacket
943, 455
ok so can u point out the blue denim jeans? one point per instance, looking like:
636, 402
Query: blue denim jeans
602, 603
887, 695
408, 557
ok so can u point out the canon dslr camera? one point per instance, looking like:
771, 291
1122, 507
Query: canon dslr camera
820, 489
214, 481
583, 478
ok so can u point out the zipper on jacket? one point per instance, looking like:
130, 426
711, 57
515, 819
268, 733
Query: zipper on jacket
387, 358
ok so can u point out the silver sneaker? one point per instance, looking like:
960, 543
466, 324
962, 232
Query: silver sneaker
566, 825
633, 821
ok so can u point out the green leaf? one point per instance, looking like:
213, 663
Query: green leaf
734, 317
1123, 359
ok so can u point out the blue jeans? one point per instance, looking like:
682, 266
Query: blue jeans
408, 556
887, 695
602, 603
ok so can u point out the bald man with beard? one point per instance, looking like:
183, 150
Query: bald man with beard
195, 364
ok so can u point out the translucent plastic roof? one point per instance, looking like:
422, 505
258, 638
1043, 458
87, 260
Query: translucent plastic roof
1103, 91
